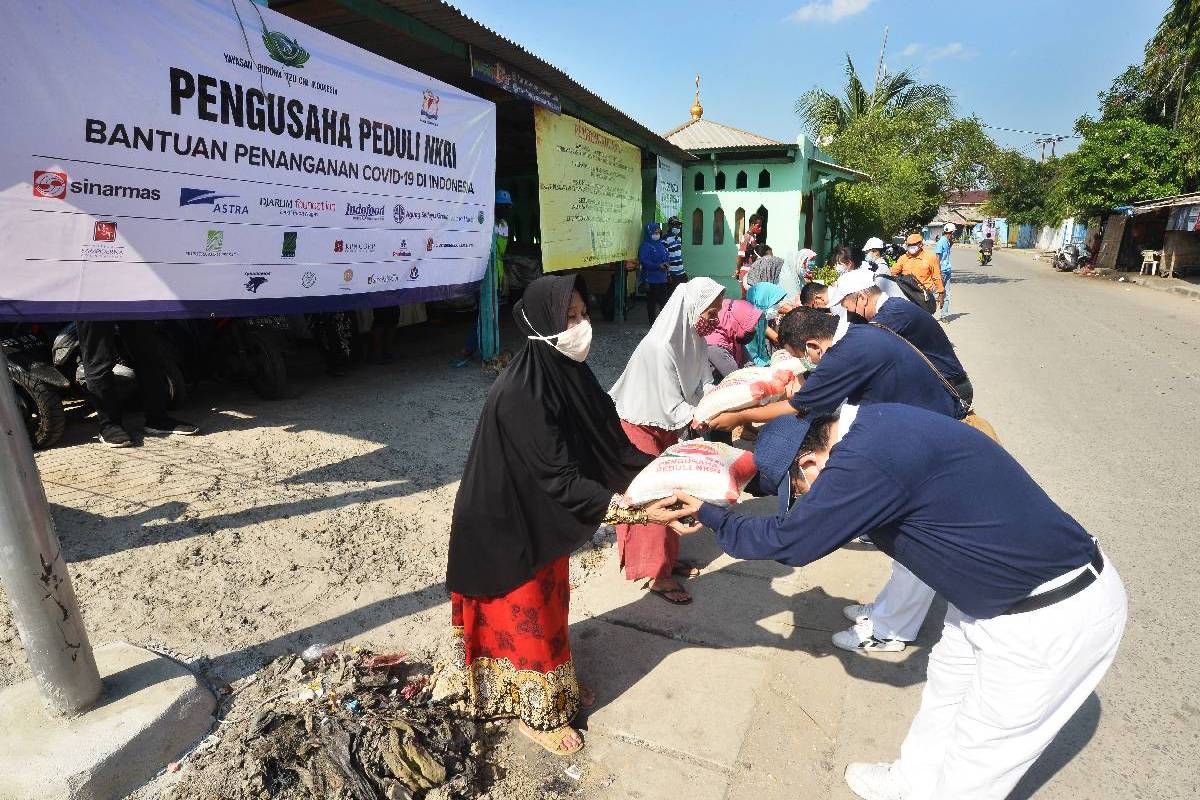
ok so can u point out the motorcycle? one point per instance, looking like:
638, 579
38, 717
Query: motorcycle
985, 257
39, 387
68, 362
1071, 257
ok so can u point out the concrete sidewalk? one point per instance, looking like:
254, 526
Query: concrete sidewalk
1184, 287
741, 694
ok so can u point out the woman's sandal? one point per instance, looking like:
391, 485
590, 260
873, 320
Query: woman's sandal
552, 741
677, 590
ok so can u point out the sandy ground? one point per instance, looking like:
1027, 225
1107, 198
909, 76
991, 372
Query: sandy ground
317, 519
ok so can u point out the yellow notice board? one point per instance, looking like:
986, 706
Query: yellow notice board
590, 193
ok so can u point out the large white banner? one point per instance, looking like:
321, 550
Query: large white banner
200, 157
668, 191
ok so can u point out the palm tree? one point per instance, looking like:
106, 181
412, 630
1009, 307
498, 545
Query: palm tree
826, 114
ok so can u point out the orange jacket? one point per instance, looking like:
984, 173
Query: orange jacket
925, 267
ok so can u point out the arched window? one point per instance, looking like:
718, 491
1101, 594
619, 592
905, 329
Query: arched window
764, 179
741, 180
762, 221
720, 181
698, 183
718, 227
739, 223
697, 227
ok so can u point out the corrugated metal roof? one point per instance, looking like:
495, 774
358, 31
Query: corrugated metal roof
1166, 202
448, 19
704, 134
839, 168
971, 197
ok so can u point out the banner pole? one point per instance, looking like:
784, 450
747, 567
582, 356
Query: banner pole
35, 575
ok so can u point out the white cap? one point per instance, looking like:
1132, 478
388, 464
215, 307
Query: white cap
948, 227
856, 280
874, 243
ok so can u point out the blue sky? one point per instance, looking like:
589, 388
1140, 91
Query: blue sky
1028, 64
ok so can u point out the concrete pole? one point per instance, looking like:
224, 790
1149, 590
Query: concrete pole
35, 575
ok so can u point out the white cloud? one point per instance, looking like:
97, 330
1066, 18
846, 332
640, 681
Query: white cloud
928, 54
829, 11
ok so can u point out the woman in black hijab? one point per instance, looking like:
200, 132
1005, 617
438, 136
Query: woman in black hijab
549, 463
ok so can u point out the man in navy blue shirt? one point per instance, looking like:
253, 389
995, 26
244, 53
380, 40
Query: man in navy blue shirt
1035, 609
867, 365
858, 292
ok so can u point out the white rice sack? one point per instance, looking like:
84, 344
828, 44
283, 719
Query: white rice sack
711, 471
782, 359
744, 388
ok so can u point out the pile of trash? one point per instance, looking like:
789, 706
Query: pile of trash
339, 722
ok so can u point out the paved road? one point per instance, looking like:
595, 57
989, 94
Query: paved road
1093, 386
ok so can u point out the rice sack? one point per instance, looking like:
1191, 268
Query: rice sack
714, 472
744, 388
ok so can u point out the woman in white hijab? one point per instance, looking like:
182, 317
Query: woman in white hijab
656, 397
795, 275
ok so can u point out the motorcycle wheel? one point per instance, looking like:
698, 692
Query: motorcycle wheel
265, 354
42, 408
177, 388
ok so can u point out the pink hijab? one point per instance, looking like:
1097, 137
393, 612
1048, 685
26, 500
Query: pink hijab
735, 319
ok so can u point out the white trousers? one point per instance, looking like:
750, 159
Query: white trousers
998, 690
901, 605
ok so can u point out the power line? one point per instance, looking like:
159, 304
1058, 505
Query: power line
1059, 137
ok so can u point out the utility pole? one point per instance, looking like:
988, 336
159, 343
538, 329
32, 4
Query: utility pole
35, 574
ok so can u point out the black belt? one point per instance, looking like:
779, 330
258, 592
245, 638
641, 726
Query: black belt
1068, 589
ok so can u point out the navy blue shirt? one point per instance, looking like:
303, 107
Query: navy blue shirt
927, 335
870, 365
936, 495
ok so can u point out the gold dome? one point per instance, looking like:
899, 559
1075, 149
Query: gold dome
697, 109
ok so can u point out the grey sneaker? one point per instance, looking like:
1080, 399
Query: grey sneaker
113, 435
167, 426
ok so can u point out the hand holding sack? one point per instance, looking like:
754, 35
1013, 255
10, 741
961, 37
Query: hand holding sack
711, 471
745, 388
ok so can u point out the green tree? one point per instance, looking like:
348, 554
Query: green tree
826, 114
1119, 161
1020, 189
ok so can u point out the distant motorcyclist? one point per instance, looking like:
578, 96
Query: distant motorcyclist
985, 249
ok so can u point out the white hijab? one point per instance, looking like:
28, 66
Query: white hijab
668, 372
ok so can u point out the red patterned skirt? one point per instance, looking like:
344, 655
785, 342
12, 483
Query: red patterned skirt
515, 652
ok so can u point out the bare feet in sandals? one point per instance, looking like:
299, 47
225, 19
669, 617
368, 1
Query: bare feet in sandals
562, 741
686, 569
671, 591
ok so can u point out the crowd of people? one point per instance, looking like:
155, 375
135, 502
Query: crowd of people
878, 440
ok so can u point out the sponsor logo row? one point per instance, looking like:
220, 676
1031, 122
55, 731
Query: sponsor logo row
57, 185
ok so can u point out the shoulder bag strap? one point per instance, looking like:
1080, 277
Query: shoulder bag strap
949, 386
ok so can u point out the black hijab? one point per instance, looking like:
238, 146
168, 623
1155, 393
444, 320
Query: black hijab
548, 455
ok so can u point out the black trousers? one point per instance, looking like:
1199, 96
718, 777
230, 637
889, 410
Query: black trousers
674, 279
657, 295
99, 353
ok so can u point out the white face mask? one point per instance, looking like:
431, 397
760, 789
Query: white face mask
912, 249
574, 343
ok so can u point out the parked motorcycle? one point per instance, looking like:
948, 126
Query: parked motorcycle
67, 360
249, 349
39, 386
1071, 257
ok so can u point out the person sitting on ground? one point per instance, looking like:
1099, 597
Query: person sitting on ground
736, 325
1035, 610
656, 397
548, 464
814, 295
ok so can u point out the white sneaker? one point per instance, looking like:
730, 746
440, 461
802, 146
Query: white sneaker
859, 613
860, 639
872, 781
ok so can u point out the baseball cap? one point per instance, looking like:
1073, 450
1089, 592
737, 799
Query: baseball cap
948, 227
856, 280
874, 243
914, 238
776, 450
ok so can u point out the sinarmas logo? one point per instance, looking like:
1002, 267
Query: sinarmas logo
284, 49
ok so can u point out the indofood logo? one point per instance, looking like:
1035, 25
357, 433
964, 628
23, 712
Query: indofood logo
364, 212
284, 49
